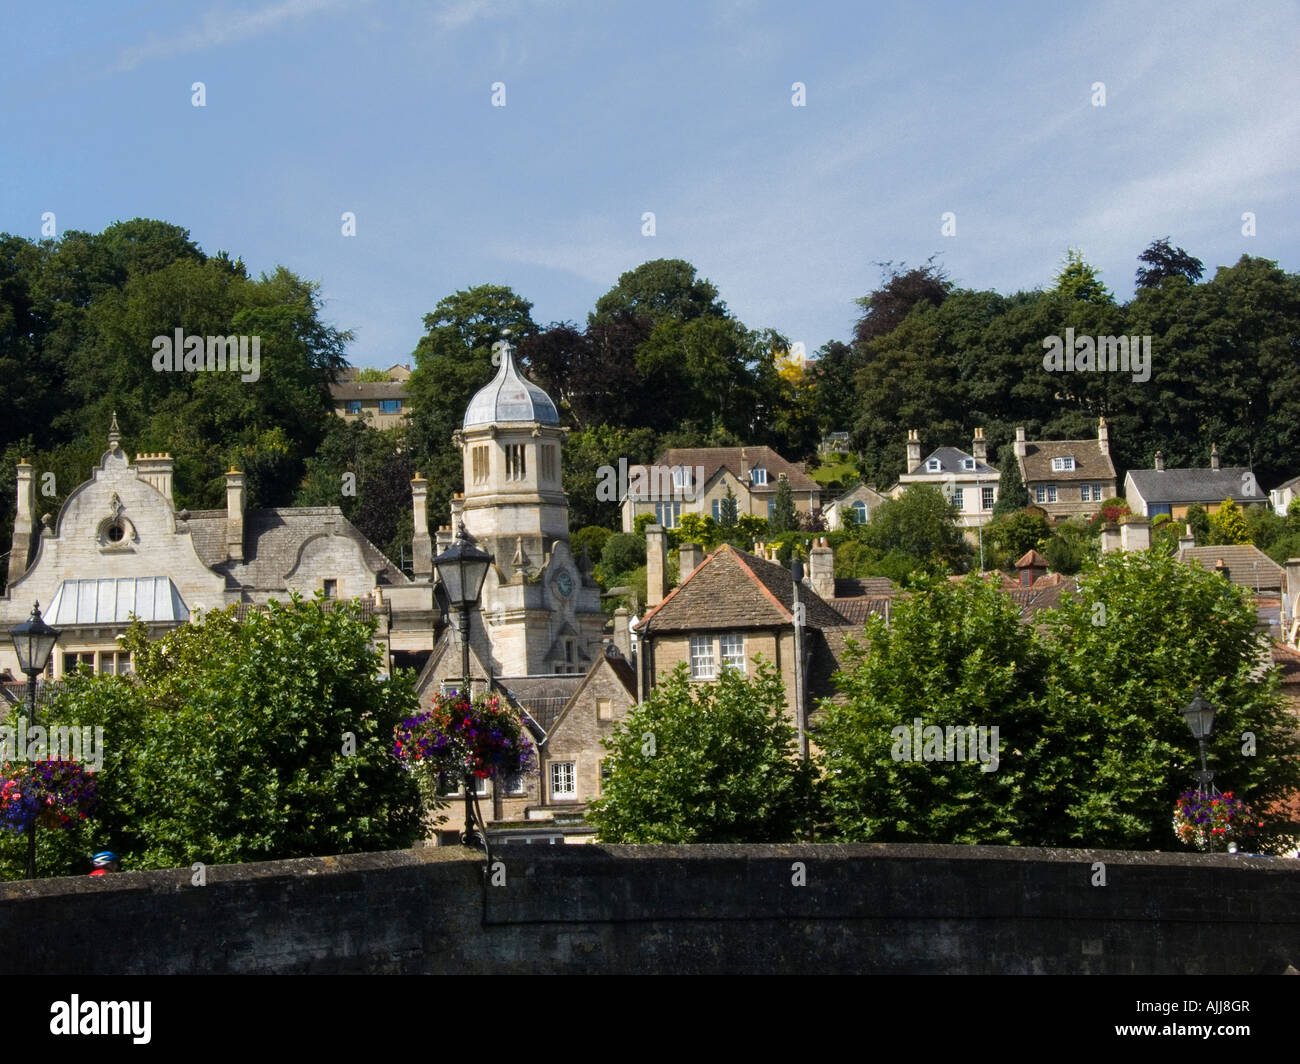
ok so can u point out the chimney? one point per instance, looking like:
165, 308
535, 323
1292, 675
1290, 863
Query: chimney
24, 521
421, 547
1214, 456
1110, 538
623, 637
1293, 587
656, 565
979, 449
444, 538
156, 471
1103, 436
1160, 461
913, 450
821, 570
1022, 448
1135, 534
1186, 541
235, 515
1222, 570
689, 556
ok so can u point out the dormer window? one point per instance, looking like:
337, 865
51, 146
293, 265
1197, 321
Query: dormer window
1063, 465
968, 463
681, 477
758, 476
933, 465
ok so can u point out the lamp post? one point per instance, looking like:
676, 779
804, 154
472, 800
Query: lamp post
1200, 719
33, 643
461, 570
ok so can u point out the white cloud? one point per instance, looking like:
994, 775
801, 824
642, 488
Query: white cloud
220, 27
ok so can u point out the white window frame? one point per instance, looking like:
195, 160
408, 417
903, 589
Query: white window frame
968, 463
959, 498
1063, 464
703, 662
731, 651
933, 465
717, 510
988, 497
559, 770
860, 511
758, 475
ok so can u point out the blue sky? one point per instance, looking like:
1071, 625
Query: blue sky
316, 107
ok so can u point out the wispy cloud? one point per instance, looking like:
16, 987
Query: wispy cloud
221, 26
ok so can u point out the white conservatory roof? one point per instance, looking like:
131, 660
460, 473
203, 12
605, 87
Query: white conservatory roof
113, 601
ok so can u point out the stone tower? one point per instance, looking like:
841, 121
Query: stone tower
541, 610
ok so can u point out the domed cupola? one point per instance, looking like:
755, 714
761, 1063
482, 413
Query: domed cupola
510, 397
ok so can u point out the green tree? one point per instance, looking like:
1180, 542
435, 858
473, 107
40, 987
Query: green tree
728, 512
784, 518
920, 524
1128, 650
1018, 532
953, 655
1162, 260
1072, 545
1199, 521
706, 763
1080, 282
244, 741
660, 290
1012, 494
1227, 525
371, 374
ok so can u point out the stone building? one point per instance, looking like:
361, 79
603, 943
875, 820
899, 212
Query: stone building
382, 404
966, 478
1067, 478
119, 546
1151, 492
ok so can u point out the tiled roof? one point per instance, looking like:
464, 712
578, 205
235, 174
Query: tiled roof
1206, 486
736, 459
1031, 559
950, 461
1090, 462
857, 610
368, 390
857, 587
1247, 565
272, 541
734, 589
1288, 661
1045, 594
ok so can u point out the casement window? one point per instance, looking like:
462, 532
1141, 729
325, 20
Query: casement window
717, 509
1063, 465
668, 514
72, 660
732, 650
604, 709
516, 785
968, 463
390, 406
1090, 493
702, 658
354, 406
564, 779
479, 460
988, 499
933, 465
1045, 493
115, 663
860, 512
516, 462
758, 475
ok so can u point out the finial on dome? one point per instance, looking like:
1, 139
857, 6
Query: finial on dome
114, 434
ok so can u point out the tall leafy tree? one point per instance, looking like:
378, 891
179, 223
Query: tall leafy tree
706, 763
1162, 260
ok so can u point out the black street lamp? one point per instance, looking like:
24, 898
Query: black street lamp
1200, 719
33, 643
461, 570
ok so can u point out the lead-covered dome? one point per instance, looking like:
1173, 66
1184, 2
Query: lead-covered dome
510, 396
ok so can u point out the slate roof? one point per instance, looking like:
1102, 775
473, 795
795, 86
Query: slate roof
1248, 566
1090, 462
950, 459
733, 589
1184, 486
733, 459
272, 541
1294, 482
542, 696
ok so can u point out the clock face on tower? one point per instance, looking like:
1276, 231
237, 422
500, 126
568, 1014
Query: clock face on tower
564, 584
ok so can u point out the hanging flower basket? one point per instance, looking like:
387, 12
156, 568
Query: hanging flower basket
458, 737
1204, 819
51, 794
